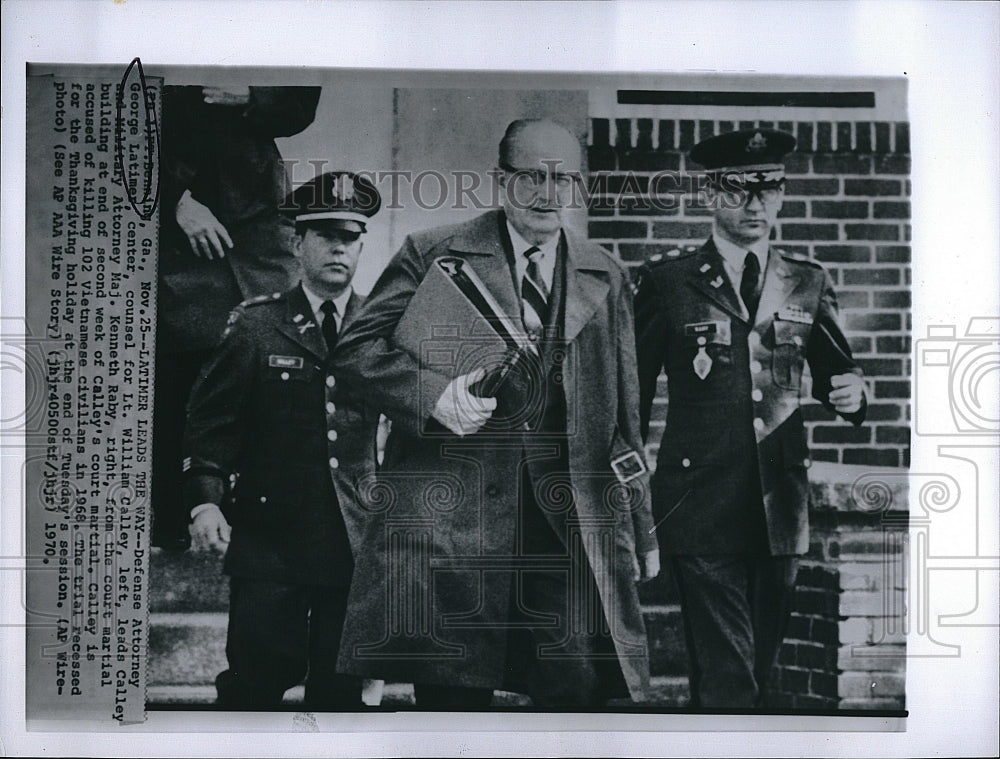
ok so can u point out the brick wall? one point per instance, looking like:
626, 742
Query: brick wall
845, 646
846, 206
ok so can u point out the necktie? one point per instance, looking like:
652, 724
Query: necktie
749, 291
329, 309
534, 294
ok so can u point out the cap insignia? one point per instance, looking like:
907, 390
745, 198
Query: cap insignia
757, 143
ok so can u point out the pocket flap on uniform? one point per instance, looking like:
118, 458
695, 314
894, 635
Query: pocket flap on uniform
694, 443
285, 369
790, 332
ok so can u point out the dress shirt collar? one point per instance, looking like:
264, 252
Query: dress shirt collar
547, 261
734, 256
316, 302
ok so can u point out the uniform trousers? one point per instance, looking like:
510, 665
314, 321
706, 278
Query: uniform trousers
735, 609
280, 634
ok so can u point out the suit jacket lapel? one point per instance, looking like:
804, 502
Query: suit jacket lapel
712, 281
483, 246
588, 274
354, 304
300, 324
779, 281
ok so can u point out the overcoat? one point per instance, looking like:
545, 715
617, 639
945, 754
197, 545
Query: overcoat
268, 415
432, 586
734, 435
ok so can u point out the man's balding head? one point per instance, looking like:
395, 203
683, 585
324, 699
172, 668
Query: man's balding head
537, 158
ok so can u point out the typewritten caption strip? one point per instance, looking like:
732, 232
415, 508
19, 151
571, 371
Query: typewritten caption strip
90, 271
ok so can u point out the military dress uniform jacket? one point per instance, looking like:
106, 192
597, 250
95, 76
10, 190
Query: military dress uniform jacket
226, 157
432, 588
734, 433
268, 411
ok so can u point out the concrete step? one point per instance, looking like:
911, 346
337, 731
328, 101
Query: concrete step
668, 692
186, 648
189, 581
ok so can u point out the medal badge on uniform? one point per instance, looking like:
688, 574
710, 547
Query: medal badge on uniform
702, 361
795, 313
702, 334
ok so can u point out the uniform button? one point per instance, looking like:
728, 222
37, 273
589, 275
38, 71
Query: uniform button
492, 490
807, 462
758, 423
330, 380
685, 463
331, 435
263, 499
285, 375
333, 462
756, 394
755, 366
330, 408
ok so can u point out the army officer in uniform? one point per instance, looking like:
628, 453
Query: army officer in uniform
268, 412
732, 324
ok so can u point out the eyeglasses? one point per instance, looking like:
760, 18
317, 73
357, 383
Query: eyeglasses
736, 198
538, 178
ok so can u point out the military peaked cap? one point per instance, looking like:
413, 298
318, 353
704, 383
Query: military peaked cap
340, 198
749, 157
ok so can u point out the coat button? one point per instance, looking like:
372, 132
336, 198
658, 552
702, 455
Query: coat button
492, 490
331, 435
755, 366
330, 380
333, 462
285, 375
756, 394
758, 423
806, 462
263, 499
330, 408
685, 463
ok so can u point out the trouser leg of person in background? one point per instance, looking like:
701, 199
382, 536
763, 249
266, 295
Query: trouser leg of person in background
268, 643
175, 376
326, 689
735, 610
449, 698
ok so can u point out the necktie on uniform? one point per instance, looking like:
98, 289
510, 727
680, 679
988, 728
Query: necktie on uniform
749, 290
329, 309
534, 294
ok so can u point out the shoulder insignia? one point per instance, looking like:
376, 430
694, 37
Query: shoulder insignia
798, 258
260, 299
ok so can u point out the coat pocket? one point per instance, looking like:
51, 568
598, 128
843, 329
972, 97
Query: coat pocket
788, 354
691, 462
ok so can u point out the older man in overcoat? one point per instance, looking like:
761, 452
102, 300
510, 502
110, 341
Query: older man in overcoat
505, 534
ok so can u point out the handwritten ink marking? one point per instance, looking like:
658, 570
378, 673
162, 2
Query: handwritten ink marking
137, 90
